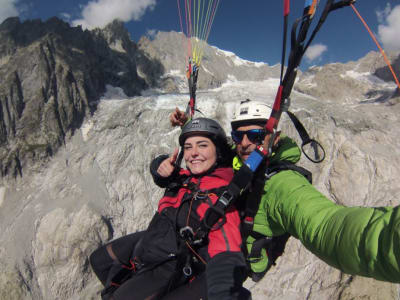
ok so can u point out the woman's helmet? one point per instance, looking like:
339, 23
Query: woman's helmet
203, 126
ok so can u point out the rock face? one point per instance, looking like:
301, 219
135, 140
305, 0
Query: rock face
217, 66
96, 184
363, 80
52, 77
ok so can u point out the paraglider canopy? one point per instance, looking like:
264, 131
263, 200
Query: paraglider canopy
196, 18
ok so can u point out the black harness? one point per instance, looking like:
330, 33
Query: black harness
170, 238
247, 199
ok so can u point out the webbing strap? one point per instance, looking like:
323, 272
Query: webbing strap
255, 253
273, 245
286, 165
299, 127
192, 74
252, 203
239, 183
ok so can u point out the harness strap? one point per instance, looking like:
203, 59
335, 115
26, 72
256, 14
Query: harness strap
274, 246
241, 180
192, 75
119, 273
305, 138
110, 252
286, 165
252, 202
259, 244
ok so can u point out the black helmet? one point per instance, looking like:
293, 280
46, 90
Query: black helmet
208, 127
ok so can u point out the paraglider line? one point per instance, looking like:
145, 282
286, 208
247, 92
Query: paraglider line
377, 43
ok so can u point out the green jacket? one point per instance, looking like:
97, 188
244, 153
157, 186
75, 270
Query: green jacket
356, 240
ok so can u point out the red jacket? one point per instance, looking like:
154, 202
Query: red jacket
191, 201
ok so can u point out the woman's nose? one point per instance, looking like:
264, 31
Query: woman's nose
195, 151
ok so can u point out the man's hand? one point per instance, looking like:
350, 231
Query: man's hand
178, 118
168, 165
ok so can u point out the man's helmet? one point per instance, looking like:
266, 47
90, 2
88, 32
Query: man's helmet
203, 126
250, 113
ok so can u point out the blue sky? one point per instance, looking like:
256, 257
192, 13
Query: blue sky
251, 29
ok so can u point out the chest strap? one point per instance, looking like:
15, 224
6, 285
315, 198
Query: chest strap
240, 182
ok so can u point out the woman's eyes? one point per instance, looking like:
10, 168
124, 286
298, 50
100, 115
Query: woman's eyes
202, 145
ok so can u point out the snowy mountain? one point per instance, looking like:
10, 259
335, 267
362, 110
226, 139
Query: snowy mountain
368, 79
95, 184
217, 66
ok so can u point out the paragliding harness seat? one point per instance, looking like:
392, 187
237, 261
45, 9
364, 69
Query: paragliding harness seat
164, 243
151, 251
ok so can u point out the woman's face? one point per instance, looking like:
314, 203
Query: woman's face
199, 153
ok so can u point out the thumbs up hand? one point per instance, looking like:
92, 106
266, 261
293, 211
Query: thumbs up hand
168, 165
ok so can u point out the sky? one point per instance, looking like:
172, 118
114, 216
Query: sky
251, 29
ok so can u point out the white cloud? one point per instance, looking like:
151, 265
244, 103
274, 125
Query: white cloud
388, 32
315, 51
65, 16
382, 14
98, 13
8, 8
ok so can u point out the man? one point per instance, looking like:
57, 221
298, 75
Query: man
356, 240
248, 131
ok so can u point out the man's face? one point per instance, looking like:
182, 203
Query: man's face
246, 146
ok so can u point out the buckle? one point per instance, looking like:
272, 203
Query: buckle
253, 260
225, 198
187, 271
249, 220
186, 233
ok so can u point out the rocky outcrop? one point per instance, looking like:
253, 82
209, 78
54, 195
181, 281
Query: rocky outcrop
120, 60
52, 77
367, 79
61, 247
386, 74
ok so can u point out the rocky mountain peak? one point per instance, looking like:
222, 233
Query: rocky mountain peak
116, 30
117, 36
27, 32
52, 77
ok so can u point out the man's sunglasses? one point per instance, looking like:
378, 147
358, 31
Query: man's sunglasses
254, 135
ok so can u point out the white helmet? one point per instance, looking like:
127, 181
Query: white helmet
250, 112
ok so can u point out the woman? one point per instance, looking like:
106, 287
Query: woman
170, 252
